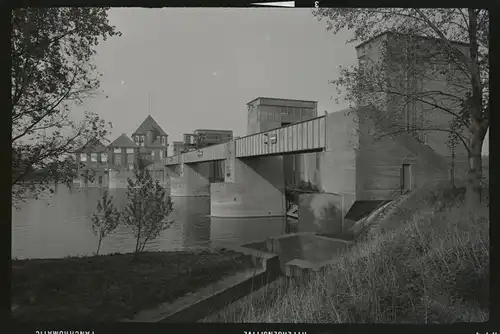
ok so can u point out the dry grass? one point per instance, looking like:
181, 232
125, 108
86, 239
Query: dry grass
430, 265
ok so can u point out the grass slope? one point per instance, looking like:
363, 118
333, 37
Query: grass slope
428, 263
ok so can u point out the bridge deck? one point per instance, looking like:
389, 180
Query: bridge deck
305, 136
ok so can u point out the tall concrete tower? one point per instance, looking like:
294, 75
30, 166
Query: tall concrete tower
266, 113
425, 84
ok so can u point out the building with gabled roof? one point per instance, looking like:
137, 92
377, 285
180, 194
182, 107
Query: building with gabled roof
124, 153
92, 164
123, 142
149, 124
151, 139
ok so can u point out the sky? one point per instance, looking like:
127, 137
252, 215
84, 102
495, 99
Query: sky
202, 65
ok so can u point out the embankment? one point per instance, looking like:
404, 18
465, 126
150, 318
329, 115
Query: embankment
427, 263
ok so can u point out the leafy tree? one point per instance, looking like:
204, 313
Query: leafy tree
52, 51
105, 220
418, 59
147, 209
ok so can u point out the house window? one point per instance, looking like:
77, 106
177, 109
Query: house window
104, 157
118, 159
130, 150
161, 154
163, 140
130, 159
83, 157
93, 157
117, 150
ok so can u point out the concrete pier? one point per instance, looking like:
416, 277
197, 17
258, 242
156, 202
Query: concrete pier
191, 182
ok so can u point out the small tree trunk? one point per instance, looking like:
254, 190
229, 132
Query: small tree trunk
98, 245
473, 194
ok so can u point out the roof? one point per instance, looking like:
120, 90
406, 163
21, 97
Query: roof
277, 98
93, 146
123, 141
213, 130
156, 143
149, 124
396, 33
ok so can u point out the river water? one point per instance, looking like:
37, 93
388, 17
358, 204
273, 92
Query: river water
59, 225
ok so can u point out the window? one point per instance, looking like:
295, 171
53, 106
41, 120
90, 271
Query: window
130, 158
93, 157
163, 140
152, 153
130, 150
118, 159
104, 157
161, 154
117, 150
83, 157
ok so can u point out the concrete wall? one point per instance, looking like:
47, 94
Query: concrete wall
379, 163
192, 181
255, 189
337, 164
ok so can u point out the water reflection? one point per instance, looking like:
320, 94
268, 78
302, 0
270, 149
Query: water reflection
241, 230
60, 225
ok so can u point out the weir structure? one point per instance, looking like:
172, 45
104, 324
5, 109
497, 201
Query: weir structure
335, 147
337, 152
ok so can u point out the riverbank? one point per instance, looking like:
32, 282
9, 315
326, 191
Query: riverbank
112, 287
428, 263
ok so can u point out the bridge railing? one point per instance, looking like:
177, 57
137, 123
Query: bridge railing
302, 136
209, 153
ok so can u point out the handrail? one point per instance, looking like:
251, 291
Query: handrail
281, 127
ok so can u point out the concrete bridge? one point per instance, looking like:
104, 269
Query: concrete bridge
339, 152
254, 169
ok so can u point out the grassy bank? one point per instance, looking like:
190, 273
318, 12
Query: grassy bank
112, 287
428, 263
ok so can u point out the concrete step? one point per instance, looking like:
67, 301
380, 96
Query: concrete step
199, 304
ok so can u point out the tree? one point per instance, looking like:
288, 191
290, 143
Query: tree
147, 209
465, 68
105, 220
52, 70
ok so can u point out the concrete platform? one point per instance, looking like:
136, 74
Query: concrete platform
299, 253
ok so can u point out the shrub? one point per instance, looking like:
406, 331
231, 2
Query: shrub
147, 209
105, 220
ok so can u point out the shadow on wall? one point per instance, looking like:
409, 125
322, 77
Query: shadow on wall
320, 213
